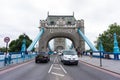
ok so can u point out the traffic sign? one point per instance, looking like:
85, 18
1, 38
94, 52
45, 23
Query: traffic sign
6, 39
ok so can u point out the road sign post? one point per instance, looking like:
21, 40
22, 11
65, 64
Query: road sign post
6, 40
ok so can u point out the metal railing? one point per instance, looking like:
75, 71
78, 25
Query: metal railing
15, 58
105, 55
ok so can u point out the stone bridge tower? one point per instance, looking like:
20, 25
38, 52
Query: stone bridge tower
59, 44
61, 26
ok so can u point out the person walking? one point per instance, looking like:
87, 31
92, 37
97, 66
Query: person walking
5, 59
91, 53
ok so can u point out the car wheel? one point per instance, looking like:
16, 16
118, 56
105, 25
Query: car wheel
63, 62
36, 61
76, 63
48, 59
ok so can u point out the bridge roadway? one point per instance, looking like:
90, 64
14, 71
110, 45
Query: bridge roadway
55, 70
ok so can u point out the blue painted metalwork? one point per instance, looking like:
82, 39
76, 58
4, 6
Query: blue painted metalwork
49, 47
35, 40
50, 50
72, 46
23, 48
87, 41
100, 46
14, 59
116, 48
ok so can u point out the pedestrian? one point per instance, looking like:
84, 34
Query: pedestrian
9, 58
78, 53
91, 53
5, 59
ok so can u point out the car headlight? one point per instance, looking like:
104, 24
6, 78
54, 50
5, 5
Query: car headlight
75, 57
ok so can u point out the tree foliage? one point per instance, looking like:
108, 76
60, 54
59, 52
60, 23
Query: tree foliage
107, 37
16, 45
2, 49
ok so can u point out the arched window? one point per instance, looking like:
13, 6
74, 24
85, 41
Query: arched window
68, 23
52, 23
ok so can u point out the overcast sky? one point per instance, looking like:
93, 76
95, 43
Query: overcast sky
22, 16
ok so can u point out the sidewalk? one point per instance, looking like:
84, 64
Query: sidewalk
111, 65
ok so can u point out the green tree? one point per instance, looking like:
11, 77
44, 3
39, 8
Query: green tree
2, 49
16, 45
107, 37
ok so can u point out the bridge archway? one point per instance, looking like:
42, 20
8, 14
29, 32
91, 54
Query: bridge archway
59, 35
76, 40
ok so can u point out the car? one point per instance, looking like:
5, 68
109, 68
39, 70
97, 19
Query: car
59, 53
69, 57
55, 52
42, 57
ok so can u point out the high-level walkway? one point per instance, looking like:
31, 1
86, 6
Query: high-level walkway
107, 64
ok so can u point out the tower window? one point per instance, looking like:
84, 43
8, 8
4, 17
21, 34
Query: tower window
69, 23
52, 23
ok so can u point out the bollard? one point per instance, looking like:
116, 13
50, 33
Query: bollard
17, 59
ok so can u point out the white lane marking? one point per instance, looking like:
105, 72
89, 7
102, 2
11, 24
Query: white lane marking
63, 69
50, 68
56, 68
55, 59
52, 65
56, 64
57, 74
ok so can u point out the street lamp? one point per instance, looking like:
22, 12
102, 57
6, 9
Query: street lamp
116, 47
100, 50
23, 48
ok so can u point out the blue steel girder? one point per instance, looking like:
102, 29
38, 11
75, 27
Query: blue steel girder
36, 40
72, 46
86, 40
49, 47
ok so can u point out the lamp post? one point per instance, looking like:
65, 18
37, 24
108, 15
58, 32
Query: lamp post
100, 50
23, 48
100, 53
116, 48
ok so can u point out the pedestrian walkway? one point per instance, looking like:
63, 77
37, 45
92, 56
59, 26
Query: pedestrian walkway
111, 65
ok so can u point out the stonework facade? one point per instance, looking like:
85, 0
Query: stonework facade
59, 44
61, 26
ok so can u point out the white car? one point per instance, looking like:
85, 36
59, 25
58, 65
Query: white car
69, 57
59, 53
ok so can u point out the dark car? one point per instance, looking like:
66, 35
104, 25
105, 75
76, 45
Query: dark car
42, 57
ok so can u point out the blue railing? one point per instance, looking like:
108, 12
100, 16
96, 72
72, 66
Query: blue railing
106, 55
15, 58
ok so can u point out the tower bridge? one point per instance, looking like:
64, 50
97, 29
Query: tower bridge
60, 27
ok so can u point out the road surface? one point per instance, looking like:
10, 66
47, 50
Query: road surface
55, 70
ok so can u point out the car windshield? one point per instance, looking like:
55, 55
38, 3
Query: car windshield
69, 53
